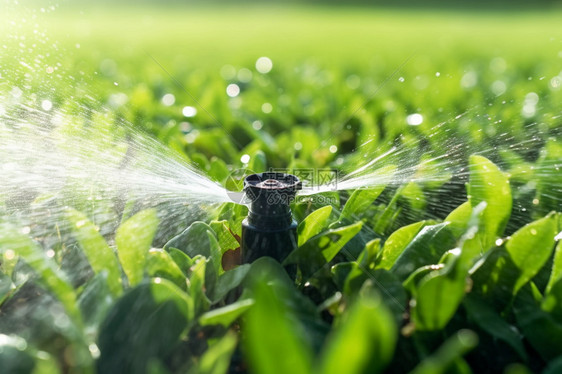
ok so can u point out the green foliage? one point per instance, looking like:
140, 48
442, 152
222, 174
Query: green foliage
407, 275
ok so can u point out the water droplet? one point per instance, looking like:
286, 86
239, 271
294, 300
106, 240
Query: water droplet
189, 111
115, 83
401, 79
232, 90
499, 242
533, 232
50, 253
437, 74
9, 254
415, 119
469, 79
264, 65
168, 99
46, 105
266, 108
298, 146
245, 158
94, 350
333, 148
498, 88
257, 125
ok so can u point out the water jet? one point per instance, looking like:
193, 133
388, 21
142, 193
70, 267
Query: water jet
269, 229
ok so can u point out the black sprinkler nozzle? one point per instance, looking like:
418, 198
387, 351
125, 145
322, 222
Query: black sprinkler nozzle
269, 229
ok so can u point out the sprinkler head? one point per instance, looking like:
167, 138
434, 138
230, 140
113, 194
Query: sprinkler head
269, 229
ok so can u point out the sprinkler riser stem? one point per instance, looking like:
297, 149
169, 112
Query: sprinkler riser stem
269, 229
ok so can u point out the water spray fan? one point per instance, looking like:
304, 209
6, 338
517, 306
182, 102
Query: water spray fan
269, 229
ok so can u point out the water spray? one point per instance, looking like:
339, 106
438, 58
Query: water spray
269, 229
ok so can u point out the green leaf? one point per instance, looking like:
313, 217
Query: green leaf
127, 335
397, 242
454, 348
437, 297
193, 241
216, 359
313, 224
491, 322
17, 357
459, 218
34, 256
226, 315
554, 366
100, 256
488, 183
6, 287
134, 239
229, 280
318, 251
363, 341
556, 272
426, 248
360, 200
160, 264
531, 246
95, 300
183, 261
197, 286
539, 327
226, 239
270, 333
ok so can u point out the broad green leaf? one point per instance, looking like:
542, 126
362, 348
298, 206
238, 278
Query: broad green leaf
160, 264
197, 286
426, 248
488, 183
302, 312
134, 239
270, 333
100, 256
6, 286
491, 322
226, 238
552, 302
459, 218
390, 289
494, 278
95, 300
556, 272
17, 357
540, 328
34, 256
183, 261
440, 292
229, 280
554, 366
193, 241
127, 335
317, 252
397, 242
313, 224
216, 359
531, 246
226, 315
363, 341
361, 199
454, 348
